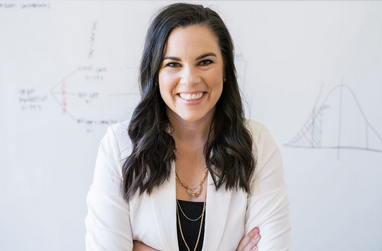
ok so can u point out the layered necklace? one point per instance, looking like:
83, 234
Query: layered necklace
192, 192
200, 227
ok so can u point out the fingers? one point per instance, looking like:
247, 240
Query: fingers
250, 240
247, 238
252, 245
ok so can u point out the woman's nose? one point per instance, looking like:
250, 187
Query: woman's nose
190, 76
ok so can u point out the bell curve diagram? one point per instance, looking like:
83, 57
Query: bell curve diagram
338, 122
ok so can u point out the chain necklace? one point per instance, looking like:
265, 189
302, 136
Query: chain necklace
185, 216
200, 228
192, 192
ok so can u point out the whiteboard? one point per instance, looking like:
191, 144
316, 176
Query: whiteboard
310, 71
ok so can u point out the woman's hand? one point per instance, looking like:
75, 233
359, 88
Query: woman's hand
139, 246
250, 241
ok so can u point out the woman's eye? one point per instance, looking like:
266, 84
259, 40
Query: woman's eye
172, 64
206, 62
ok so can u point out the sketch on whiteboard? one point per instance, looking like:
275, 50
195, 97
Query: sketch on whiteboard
92, 39
25, 6
86, 93
30, 100
338, 122
91, 94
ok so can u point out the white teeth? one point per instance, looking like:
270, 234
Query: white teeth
188, 96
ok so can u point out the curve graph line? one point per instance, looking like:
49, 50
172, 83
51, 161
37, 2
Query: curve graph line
310, 134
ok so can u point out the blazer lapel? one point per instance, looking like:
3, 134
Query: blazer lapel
216, 215
164, 207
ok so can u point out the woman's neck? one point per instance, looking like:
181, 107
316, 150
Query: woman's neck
190, 133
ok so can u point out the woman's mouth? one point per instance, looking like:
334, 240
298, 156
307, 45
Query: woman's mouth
191, 97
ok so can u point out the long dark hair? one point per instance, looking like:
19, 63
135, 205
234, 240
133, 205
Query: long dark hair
228, 150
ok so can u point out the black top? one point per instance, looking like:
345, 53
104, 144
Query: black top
190, 229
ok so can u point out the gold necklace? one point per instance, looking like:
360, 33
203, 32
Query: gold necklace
185, 216
200, 228
192, 192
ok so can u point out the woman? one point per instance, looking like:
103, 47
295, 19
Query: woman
188, 172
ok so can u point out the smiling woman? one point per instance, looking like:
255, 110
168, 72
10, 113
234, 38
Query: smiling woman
192, 173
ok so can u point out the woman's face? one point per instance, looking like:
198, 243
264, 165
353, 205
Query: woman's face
191, 74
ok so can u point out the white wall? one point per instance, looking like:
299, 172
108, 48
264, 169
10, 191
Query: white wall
311, 71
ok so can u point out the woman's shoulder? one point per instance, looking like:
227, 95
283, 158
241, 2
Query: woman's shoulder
120, 128
257, 129
262, 138
254, 127
119, 134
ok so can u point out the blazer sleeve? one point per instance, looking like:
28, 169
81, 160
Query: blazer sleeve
108, 219
267, 204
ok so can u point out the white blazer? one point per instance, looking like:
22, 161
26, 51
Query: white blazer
113, 223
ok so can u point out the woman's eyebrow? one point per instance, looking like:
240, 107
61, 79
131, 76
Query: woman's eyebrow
197, 58
172, 58
206, 55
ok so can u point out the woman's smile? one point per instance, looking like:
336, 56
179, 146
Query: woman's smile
191, 96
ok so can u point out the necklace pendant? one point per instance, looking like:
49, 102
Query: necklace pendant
194, 194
